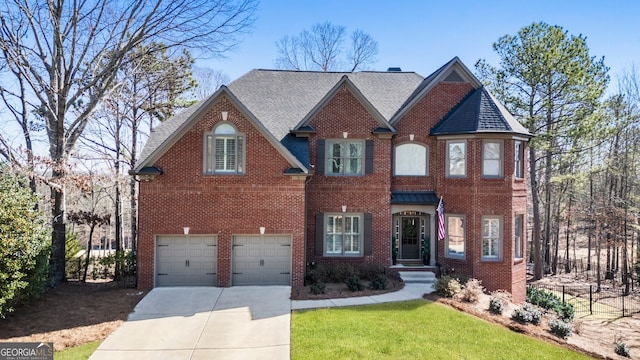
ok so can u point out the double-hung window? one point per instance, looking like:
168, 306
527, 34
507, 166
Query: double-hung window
518, 240
345, 157
519, 159
491, 238
455, 240
224, 151
456, 158
492, 159
343, 235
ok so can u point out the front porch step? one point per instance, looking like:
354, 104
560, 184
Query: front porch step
418, 277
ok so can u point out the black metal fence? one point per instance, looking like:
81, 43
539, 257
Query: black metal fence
586, 300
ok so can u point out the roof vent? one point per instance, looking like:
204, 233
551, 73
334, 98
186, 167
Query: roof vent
397, 69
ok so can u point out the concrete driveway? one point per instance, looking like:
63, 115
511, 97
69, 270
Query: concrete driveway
248, 322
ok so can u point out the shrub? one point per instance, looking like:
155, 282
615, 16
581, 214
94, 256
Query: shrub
354, 283
496, 306
24, 271
378, 283
471, 291
317, 288
550, 301
370, 270
561, 328
498, 301
320, 273
622, 350
342, 272
448, 286
527, 314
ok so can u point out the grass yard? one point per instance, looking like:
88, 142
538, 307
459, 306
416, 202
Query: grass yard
79, 352
410, 330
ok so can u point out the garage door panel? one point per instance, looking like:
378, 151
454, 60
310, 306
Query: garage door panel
189, 260
261, 260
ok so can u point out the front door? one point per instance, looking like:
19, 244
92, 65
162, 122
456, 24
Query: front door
410, 238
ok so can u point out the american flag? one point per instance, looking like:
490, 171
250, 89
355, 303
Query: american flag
440, 220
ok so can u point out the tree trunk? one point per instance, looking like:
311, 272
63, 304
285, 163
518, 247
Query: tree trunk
57, 259
567, 267
86, 263
547, 208
598, 276
535, 232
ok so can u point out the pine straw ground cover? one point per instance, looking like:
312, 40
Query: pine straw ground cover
71, 314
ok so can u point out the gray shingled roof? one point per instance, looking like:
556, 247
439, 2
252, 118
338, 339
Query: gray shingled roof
478, 112
281, 99
162, 133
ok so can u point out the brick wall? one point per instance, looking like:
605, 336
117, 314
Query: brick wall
369, 193
227, 205
221, 205
473, 196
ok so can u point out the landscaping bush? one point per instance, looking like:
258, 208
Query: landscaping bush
317, 288
378, 283
498, 301
371, 270
354, 283
448, 286
622, 350
342, 272
320, 273
24, 254
550, 301
496, 306
471, 291
527, 314
561, 328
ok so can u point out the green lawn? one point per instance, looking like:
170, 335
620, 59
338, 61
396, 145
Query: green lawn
410, 330
80, 352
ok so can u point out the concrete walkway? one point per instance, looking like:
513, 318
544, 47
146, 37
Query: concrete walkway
246, 322
410, 291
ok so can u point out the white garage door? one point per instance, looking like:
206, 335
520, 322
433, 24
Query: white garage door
262, 260
186, 260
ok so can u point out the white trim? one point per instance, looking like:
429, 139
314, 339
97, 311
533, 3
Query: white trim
328, 166
448, 158
500, 238
500, 159
394, 165
360, 234
448, 254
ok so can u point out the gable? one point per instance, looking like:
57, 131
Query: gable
452, 72
336, 99
167, 134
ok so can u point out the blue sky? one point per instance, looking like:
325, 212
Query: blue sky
422, 35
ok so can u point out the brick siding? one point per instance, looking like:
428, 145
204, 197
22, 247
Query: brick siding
227, 205
221, 205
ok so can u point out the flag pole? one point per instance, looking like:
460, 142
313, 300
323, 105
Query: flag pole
440, 225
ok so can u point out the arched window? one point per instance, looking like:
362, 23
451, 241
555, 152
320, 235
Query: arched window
224, 150
411, 159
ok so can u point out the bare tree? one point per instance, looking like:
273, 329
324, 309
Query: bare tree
64, 56
151, 87
208, 81
321, 48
